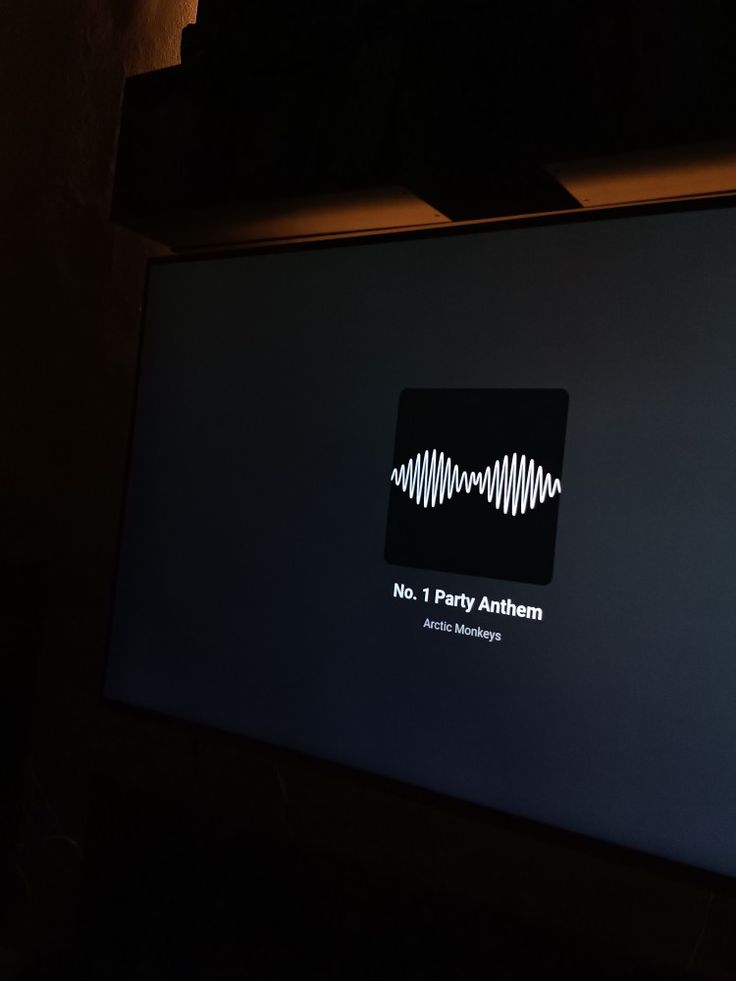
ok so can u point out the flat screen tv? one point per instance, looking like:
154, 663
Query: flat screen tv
456, 508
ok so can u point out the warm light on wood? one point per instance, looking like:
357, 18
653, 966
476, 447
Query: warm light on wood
343, 213
650, 176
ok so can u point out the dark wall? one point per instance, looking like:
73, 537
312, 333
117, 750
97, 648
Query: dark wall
71, 286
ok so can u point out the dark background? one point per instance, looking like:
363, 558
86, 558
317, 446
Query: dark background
128, 793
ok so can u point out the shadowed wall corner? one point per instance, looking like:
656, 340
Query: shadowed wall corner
72, 285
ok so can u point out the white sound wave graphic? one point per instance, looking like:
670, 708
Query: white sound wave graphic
513, 484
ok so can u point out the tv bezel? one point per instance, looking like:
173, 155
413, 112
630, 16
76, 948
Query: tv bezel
622, 856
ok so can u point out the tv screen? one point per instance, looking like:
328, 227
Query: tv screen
455, 508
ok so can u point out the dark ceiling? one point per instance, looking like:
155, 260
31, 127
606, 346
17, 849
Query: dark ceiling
463, 103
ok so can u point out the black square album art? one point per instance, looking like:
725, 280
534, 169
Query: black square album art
476, 481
